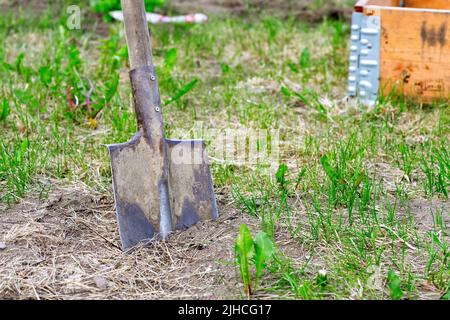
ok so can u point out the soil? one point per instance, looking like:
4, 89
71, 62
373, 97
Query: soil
68, 247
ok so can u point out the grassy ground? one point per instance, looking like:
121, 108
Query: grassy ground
356, 204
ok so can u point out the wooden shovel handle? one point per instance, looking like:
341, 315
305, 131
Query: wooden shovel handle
137, 34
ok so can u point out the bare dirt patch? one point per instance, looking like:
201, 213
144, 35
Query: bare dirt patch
425, 213
68, 248
32, 5
423, 210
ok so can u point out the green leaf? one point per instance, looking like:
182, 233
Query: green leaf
446, 296
24, 145
150, 5
305, 58
303, 99
185, 89
281, 174
18, 63
327, 167
244, 252
272, 26
305, 291
286, 92
5, 111
438, 242
311, 99
45, 75
394, 283
74, 57
322, 279
171, 59
293, 67
300, 176
105, 6
225, 68
264, 250
111, 88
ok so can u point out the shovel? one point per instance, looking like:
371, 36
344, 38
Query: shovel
159, 184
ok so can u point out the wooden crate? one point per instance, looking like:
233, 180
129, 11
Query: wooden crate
413, 54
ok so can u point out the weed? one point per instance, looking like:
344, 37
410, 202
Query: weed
244, 249
436, 167
394, 283
249, 252
5, 111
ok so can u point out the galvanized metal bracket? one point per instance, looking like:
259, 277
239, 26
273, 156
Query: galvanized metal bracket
364, 69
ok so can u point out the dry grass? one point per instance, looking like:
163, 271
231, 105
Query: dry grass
68, 248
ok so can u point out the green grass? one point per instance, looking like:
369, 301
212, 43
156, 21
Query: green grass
348, 177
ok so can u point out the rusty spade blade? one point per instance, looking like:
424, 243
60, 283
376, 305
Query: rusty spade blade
159, 184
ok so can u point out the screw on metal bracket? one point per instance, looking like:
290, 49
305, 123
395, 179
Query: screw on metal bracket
157, 109
152, 77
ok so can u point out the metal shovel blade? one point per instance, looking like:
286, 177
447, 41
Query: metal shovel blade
191, 189
137, 191
159, 184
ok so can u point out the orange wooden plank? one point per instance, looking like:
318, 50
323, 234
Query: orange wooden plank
383, 3
428, 4
415, 53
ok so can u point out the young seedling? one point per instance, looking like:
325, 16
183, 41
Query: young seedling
5, 110
244, 250
252, 257
394, 284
